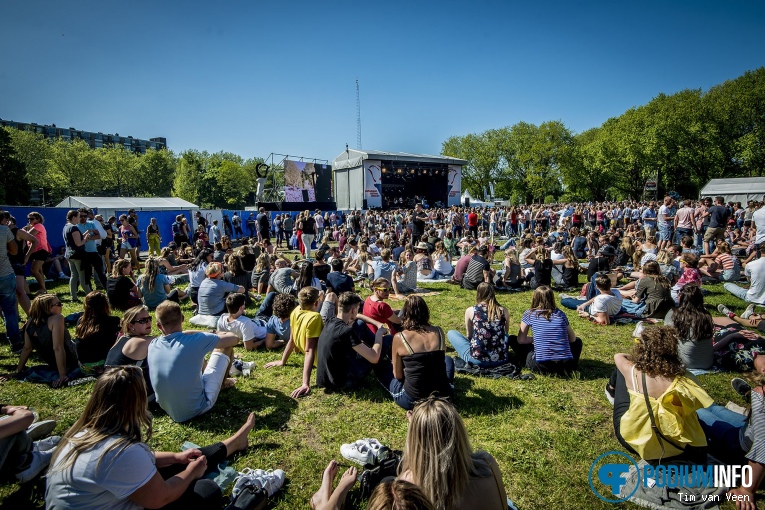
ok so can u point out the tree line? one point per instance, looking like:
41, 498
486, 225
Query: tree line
684, 139
29, 161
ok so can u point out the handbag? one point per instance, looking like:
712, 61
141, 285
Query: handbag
385, 466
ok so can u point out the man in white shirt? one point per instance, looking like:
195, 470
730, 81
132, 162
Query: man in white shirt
758, 222
755, 272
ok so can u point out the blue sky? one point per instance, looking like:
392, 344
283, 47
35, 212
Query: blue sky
261, 77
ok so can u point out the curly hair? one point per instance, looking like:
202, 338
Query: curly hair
283, 305
656, 353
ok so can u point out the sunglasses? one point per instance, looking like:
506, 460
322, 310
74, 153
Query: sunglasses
383, 289
145, 320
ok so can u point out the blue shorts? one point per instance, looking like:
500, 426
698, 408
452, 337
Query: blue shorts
665, 233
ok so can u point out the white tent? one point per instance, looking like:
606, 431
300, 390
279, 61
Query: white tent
742, 189
108, 205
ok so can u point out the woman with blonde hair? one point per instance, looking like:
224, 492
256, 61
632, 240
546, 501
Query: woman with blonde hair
442, 262
103, 462
486, 323
47, 334
120, 287
565, 271
156, 287
439, 459
132, 345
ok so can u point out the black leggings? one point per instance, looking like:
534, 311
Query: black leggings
203, 493
563, 367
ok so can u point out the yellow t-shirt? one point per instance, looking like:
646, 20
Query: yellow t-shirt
305, 324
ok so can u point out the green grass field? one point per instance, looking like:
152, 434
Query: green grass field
544, 433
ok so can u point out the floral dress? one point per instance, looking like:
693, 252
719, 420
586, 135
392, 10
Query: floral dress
489, 341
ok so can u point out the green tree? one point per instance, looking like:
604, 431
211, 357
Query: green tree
32, 150
73, 170
119, 177
189, 174
14, 186
155, 173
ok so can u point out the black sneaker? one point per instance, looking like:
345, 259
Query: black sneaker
741, 387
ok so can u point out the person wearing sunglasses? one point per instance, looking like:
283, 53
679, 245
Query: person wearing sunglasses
37, 253
47, 334
377, 309
132, 346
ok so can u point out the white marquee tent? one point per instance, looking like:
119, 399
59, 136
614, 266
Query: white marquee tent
108, 205
742, 189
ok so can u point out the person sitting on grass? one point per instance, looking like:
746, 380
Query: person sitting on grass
689, 263
184, 385
120, 287
96, 330
156, 287
420, 365
721, 264
602, 307
695, 329
103, 462
21, 456
338, 281
654, 369
737, 440
553, 348
305, 328
132, 346
478, 270
252, 333
47, 334
377, 309
486, 324
213, 291
439, 459
344, 359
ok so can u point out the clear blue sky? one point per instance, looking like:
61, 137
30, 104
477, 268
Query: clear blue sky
253, 79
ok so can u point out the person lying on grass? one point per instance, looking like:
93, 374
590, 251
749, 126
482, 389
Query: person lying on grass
252, 333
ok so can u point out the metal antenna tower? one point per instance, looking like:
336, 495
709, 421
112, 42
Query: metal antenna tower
358, 117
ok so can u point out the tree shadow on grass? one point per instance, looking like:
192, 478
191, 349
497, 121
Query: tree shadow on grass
590, 369
233, 407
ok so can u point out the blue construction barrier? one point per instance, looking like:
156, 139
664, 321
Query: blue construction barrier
54, 221
165, 221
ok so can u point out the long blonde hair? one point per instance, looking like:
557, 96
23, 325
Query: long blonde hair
117, 409
485, 294
150, 275
438, 453
40, 309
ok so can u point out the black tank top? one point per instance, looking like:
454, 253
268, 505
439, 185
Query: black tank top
425, 372
116, 358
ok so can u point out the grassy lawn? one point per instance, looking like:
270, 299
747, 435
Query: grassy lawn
544, 433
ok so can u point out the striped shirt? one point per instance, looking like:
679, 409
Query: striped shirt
725, 260
551, 342
752, 437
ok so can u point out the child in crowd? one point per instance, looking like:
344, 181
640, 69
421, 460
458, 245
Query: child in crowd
602, 307
689, 263
252, 333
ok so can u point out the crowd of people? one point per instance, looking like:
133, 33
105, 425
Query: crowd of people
309, 306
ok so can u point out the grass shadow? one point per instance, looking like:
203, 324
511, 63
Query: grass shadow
591, 369
27, 496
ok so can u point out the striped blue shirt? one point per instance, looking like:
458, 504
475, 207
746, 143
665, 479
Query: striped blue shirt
551, 341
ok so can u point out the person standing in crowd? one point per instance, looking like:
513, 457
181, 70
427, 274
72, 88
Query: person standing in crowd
75, 253
91, 254
215, 233
153, 238
37, 253
666, 223
252, 225
289, 225
263, 224
718, 223
16, 259
179, 235
685, 221
308, 226
236, 222
8, 302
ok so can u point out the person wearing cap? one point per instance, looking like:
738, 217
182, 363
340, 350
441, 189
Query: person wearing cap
213, 290
423, 261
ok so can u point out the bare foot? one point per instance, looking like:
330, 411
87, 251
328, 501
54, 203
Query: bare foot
238, 441
347, 480
228, 382
321, 498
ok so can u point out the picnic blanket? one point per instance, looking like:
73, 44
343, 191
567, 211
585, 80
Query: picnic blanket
508, 370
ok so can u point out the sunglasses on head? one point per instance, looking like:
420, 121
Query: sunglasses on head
145, 320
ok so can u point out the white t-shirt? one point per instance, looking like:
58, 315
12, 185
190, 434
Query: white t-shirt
609, 303
99, 480
243, 327
663, 210
759, 221
755, 271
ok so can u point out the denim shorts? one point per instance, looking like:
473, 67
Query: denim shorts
665, 233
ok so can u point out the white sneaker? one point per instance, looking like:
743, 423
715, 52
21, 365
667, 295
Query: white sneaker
564, 296
723, 309
272, 480
43, 445
639, 328
245, 478
40, 461
41, 429
608, 395
247, 367
363, 451
748, 312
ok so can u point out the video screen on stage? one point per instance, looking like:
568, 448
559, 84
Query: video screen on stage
307, 182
